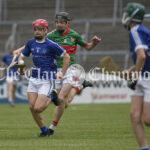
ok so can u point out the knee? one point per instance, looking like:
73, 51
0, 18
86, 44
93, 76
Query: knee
37, 109
31, 107
135, 118
61, 99
66, 105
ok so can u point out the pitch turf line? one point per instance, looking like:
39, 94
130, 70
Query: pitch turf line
90, 126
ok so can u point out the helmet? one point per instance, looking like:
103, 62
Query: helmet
40, 23
63, 15
133, 12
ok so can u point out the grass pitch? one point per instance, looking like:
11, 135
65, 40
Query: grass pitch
83, 127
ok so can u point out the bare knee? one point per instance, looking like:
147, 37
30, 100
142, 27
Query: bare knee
61, 99
34, 109
37, 109
66, 105
31, 107
135, 117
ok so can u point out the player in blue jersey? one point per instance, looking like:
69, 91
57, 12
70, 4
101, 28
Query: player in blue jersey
11, 77
44, 53
140, 51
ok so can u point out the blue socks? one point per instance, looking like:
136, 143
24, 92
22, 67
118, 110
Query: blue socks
44, 129
144, 148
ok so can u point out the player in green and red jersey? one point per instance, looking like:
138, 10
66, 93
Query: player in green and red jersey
68, 39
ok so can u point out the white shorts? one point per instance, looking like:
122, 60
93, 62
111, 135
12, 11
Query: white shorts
40, 86
59, 83
11, 79
143, 89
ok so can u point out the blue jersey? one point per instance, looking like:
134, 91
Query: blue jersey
44, 56
7, 59
140, 38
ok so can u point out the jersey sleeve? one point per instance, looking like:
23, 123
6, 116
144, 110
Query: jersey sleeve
57, 50
27, 50
80, 41
50, 36
139, 40
4, 59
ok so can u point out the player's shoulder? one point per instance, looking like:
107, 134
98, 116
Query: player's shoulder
73, 31
7, 55
143, 29
135, 28
30, 41
52, 32
140, 29
50, 42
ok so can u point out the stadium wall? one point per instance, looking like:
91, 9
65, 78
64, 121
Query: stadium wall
104, 91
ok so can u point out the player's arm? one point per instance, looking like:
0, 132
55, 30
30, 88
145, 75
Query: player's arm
87, 46
138, 67
18, 51
59, 51
20, 59
139, 63
93, 43
140, 60
132, 68
2, 72
25, 52
66, 60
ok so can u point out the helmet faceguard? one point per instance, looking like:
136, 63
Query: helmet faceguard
133, 12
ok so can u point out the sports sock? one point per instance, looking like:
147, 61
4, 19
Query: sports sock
44, 129
78, 91
53, 125
145, 148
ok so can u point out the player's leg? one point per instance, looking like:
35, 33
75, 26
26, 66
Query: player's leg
10, 86
59, 110
146, 108
38, 95
136, 120
62, 97
146, 113
70, 96
41, 103
14, 90
146, 105
32, 99
76, 90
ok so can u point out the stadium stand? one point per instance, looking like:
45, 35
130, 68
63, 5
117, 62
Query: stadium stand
113, 36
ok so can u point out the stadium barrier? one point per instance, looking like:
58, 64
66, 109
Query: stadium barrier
21, 92
104, 91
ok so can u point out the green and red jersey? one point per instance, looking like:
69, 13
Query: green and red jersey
68, 41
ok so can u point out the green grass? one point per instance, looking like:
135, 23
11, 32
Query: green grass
83, 127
